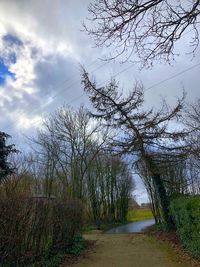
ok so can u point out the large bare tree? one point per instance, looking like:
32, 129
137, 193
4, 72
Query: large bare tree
192, 120
145, 134
149, 28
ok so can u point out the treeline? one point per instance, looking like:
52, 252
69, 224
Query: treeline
71, 159
180, 176
180, 172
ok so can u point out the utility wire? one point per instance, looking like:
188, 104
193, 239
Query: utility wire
172, 77
149, 88
62, 90
75, 82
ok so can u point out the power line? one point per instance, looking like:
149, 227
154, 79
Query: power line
149, 88
67, 80
78, 97
172, 77
77, 81
62, 90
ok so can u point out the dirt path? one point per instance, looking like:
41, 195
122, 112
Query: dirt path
129, 250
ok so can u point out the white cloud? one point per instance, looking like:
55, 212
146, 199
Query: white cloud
41, 45
25, 122
52, 45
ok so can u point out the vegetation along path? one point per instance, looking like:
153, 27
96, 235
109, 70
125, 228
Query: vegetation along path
128, 250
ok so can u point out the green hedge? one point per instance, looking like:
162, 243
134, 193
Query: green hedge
186, 215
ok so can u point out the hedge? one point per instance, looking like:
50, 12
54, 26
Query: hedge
186, 214
33, 229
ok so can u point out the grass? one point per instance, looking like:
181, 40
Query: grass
139, 215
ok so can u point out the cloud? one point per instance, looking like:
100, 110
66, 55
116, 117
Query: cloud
25, 122
41, 50
33, 64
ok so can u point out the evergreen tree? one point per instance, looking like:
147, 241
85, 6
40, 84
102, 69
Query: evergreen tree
5, 151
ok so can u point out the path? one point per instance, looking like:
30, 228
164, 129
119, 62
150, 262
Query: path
129, 250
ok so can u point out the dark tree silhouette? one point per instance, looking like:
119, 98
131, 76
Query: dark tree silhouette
148, 28
5, 151
144, 133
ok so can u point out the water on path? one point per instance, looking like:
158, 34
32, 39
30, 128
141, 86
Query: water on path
134, 227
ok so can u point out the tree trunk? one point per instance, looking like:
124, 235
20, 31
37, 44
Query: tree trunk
160, 189
164, 200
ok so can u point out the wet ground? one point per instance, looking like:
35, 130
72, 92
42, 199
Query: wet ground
127, 246
135, 227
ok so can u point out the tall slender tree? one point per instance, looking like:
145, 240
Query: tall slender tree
143, 133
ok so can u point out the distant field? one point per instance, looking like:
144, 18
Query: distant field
139, 215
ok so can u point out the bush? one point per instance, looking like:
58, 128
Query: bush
54, 261
78, 245
186, 215
36, 228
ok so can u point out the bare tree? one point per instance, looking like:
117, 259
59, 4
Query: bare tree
65, 149
192, 120
74, 163
148, 28
109, 187
143, 133
151, 191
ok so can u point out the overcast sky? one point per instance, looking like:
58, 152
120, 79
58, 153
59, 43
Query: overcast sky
41, 46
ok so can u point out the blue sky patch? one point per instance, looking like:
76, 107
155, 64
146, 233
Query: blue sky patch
8, 56
4, 72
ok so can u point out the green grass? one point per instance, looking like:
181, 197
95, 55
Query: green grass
139, 215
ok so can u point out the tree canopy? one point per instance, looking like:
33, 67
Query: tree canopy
150, 29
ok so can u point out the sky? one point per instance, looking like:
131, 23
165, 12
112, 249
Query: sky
42, 44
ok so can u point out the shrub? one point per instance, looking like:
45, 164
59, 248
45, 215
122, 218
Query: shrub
32, 229
186, 215
78, 245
